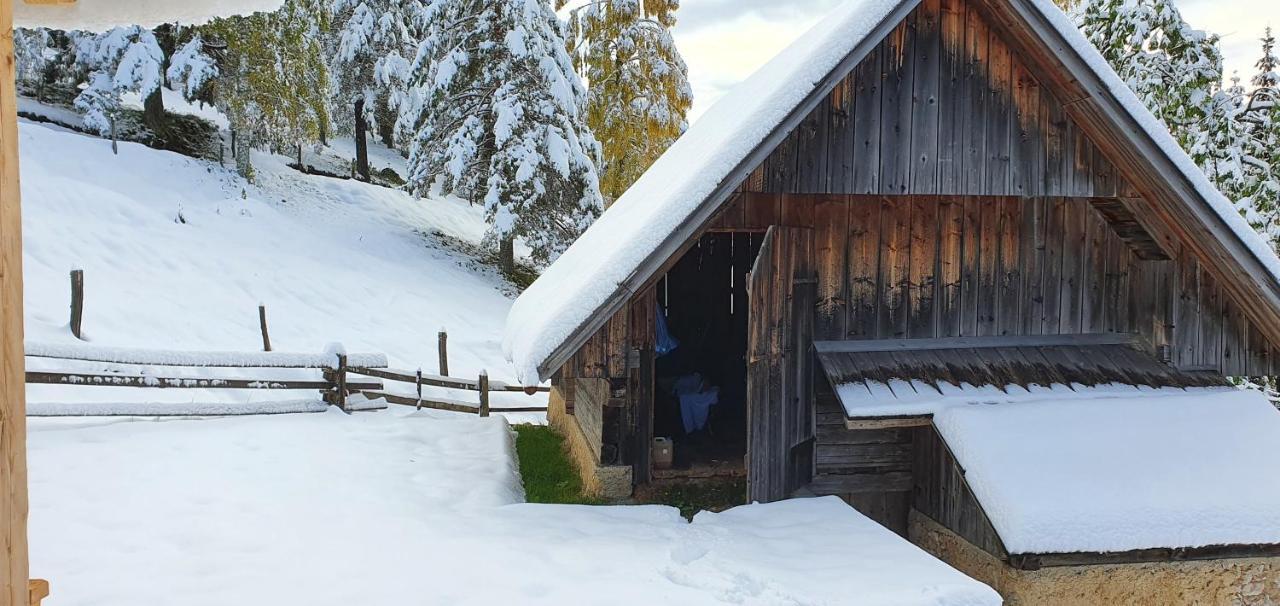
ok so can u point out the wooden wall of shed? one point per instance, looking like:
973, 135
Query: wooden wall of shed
612, 376
942, 266
870, 469
941, 106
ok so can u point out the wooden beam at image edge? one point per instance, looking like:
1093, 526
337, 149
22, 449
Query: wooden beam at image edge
14, 586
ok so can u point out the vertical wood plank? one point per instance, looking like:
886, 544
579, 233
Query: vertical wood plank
1009, 305
840, 140
895, 257
864, 266
1094, 279
950, 266
970, 265
925, 98
14, 567
1186, 329
975, 94
1033, 245
1051, 290
866, 123
951, 79
832, 229
999, 121
1054, 127
922, 282
1027, 146
896, 109
988, 266
1210, 351
1074, 253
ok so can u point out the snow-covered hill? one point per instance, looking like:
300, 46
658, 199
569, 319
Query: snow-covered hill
178, 253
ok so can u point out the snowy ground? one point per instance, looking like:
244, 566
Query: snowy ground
178, 253
401, 508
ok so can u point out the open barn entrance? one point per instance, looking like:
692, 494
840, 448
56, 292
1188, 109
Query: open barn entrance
700, 373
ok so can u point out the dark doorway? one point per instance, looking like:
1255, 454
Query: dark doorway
704, 297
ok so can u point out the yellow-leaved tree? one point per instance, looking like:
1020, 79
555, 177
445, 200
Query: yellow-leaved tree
638, 85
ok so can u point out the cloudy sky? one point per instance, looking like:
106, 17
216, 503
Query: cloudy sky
723, 41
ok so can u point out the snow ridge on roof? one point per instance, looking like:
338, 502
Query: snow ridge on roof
101, 15
666, 196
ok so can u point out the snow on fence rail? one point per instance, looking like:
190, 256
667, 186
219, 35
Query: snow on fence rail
335, 385
201, 359
331, 391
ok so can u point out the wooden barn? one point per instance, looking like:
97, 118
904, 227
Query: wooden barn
921, 205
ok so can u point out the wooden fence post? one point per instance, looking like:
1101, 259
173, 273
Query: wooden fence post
444, 353
484, 393
262, 321
77, 302
418, 383
340, 382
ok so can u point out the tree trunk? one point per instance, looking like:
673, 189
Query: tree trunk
507, 255
362, 145
153, 114
386, 125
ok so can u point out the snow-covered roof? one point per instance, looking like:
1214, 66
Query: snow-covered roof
99, 15
899, 398
613, 257
1081, 474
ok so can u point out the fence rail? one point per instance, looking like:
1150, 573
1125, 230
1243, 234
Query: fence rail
335, 385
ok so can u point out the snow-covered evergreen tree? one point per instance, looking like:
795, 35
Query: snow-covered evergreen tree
639, 86
33, 56
1260, 119
374, 45
1171, 66
191, 68
503, 122
124, 59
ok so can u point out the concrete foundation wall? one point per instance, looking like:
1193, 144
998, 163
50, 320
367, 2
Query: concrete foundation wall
608, 482
1234, 582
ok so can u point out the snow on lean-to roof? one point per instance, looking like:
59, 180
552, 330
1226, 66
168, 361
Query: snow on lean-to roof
592, 270
99, 15
1118, 474
899, 398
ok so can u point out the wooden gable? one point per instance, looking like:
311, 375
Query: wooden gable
940, 106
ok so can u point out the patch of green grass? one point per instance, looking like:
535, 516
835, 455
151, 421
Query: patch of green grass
547, 472
692, 496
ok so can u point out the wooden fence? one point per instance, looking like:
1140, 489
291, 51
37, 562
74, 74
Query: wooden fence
342, 376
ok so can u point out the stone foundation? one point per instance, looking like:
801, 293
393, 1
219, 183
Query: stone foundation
1242, 582
603, 481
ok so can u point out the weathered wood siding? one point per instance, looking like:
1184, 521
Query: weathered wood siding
942, 106
870, 469
892, 267
780, 427
942, 493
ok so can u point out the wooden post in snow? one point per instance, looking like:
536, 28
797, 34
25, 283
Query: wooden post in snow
77, 302
484, 393
340, 381
14, 566
444, 353
262, 321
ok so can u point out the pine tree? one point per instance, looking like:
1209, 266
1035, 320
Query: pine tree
1261, 122
1172, 67
33, 56
503, 124
272, 81
639, 87
124, 59
373, 46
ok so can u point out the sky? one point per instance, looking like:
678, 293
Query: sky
724, 41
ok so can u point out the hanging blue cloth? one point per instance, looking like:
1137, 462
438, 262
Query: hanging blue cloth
666, 342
